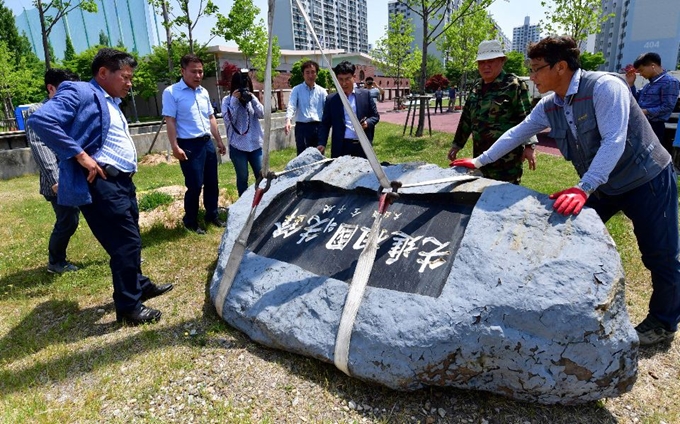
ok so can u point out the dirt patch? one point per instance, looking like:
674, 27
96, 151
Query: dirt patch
170, 215
156, 158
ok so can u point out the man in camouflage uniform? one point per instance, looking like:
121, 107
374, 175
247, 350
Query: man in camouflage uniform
497, 102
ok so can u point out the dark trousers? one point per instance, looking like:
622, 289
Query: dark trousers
200, 172
438, 102
349, 147
659, 128
306, 135
113, 217
65, 226
653, 209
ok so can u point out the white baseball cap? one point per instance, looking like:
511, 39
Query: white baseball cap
489, 49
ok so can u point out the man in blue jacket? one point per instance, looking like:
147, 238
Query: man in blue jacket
345, 139
85, 127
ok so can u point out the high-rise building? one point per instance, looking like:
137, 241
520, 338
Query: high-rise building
338, 24
639, 26
130, 23
525, 34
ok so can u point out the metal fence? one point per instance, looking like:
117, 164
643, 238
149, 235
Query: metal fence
8, 125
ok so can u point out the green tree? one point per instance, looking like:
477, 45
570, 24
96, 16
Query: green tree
515, 64
69, 51
183, 19
18, 84
460, 42
81, 63
590, 61
323, 78
8, 29
104, 39
260, 55
433, 12
434, 67
158, 61
251, 38
15, 42
393, 54
576, 19
167, 24
52, 12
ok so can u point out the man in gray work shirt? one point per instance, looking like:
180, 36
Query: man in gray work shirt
599, 127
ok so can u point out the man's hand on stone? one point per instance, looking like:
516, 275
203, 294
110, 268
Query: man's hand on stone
465, 163
569, 201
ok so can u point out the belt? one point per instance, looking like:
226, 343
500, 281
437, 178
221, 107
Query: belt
351, 140
113, 172
205, 137
307, 123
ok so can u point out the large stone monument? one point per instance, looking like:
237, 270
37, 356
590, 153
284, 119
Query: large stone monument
476, 284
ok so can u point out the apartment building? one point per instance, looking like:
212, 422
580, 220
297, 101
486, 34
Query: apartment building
338, 24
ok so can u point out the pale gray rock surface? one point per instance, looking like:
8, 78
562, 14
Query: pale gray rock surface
532, 309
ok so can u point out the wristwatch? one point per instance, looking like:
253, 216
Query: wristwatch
587, 188
532, 146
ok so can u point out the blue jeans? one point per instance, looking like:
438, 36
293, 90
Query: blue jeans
241, 159
65, 225
653, 209
200, 172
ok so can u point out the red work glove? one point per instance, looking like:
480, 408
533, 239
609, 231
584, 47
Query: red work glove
465, 163
569, 201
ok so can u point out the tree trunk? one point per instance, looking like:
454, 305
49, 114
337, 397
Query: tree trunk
168, 35
191, 39
423, 76
43, 33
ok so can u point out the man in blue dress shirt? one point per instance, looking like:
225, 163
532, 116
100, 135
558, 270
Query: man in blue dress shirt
84, 126
306, 107
190, 118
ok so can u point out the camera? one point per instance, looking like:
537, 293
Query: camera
244, 88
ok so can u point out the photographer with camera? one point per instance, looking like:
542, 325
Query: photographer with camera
190, 119
242, 112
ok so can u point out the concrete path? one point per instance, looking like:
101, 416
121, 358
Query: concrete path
446, 122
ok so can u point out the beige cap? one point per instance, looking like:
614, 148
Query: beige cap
489, 49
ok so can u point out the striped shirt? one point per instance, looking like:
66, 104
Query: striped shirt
118, 149
244, 131
43, 156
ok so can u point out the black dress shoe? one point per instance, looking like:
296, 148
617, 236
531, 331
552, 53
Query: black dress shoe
198, 230
155, 291
141, 315
218, 222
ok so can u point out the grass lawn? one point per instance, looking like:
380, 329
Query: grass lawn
64, 359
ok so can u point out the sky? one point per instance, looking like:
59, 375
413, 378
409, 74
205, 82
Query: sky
507, 13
